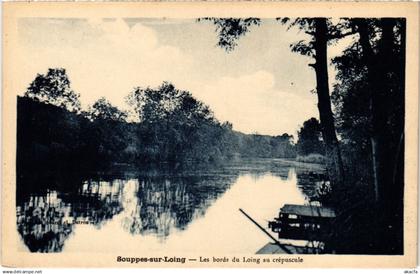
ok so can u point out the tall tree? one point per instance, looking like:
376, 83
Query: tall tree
370, 101
153, 105
385, 81
102, 109
321, 31
54, 88
309, 138
333, 153
173, 123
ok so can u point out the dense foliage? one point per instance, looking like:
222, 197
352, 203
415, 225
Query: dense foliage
310, 138
173, 127
369, 99
54, 88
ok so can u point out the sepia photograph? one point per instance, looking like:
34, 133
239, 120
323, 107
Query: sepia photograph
256, 139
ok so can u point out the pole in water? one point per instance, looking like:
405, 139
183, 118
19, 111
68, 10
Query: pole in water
268, 234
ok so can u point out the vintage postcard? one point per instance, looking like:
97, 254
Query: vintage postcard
210, 134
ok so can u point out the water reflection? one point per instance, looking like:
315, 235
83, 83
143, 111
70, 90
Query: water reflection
163, 203
46, 220
147, 204
41, 222
312, 184
96, 202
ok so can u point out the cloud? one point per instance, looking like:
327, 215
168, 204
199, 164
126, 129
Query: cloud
109, 58
105, 59
252, 104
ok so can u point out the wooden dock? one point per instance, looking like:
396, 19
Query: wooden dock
298, 222
303, 222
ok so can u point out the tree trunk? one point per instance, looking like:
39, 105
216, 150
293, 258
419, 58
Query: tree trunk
385, 77
378, 67
368, 57
398, 173
332, 150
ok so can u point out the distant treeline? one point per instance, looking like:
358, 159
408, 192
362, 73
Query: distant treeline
173, 128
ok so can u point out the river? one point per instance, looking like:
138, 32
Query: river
154, 211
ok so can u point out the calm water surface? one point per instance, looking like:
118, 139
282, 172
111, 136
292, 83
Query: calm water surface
160, 211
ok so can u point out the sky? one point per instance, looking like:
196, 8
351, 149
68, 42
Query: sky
260, 87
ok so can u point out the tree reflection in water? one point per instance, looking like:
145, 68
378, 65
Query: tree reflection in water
164, 203
42, 223
153, 205
148, 203
97, 202
46, 219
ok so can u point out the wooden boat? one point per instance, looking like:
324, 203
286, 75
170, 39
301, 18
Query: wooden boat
303, 222
298, 222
